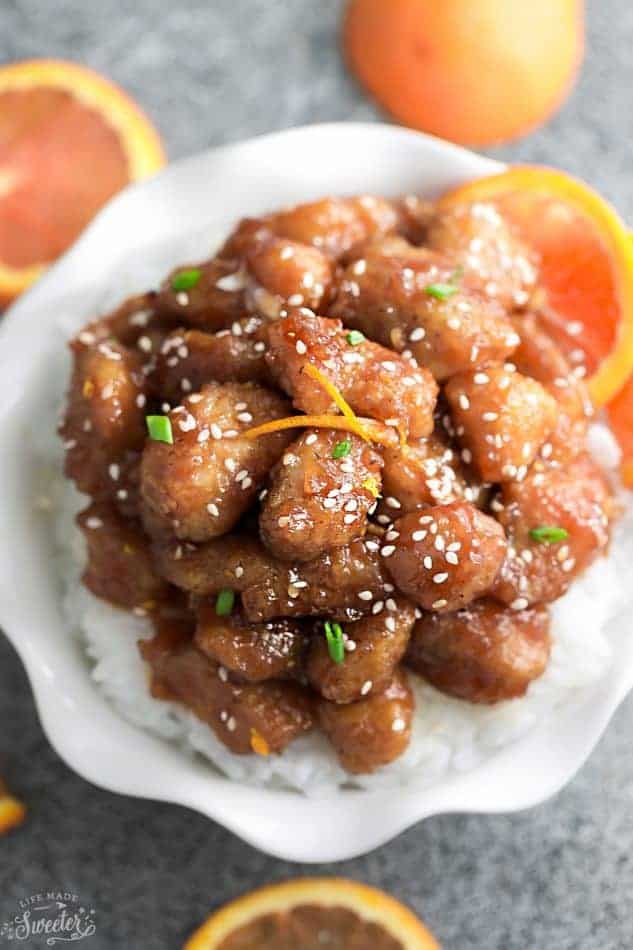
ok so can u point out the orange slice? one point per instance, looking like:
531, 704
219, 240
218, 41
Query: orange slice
69, 140
12, 812
312, 913
586, 272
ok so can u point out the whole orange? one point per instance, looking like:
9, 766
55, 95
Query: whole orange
476, 72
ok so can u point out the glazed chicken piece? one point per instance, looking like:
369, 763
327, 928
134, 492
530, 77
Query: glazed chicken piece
495, 260
104, 426
126, 324
337, 225
330, 585
374, 646
320, 494
576, 502
425, 472
502, 419
412, 299
446, 556
249, 651
199, 487
373, 732
375, 381
540, 357
252, 717
257, 272
190, 358
484, 653
120, 568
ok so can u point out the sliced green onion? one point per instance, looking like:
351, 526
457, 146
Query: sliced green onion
159, 428
440, 291
186, 279
225, 601
335, 642
548, 534
354, 337
341, 449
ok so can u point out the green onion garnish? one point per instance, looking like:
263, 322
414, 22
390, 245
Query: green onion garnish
225, 601
341, 449
335, 643
548, 534
186, 279
354, 337
440, 291
159, 428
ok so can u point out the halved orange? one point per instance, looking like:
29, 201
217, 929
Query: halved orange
311, 913
12, 812
69, 140
586, 272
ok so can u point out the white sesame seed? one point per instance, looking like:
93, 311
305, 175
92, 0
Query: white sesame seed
398, 725
490, 416
569, 564
440, 578
464, 401
222, 674
390, 604
388, 550
366, 687
451, 557
311, 438
377, 607
438, 604
213, 509
417, 334
392, 502
182, 298
480, 379
365, 595
419, 535
519, 604
329, 502
390, 624
428, 562
231, 724
246, 483
241, 475
300, 347
141, 400
114, 471
295, 300
244, 417
94, 523
349, 519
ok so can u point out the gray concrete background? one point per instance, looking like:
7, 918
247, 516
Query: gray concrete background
556, 878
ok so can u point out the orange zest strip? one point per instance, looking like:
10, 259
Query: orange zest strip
382, 435
330, 389
259, 744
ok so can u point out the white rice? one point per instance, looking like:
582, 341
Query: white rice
448, 735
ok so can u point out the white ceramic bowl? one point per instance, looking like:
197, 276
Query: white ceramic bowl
210, 191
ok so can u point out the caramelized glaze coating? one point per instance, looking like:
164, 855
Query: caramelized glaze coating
446, 556
375, 381
372, 732
494, 259
249, 651
187, 359
317, 500
574, 498
502, 419
484, 653
412, 299
199, 487
374, 647
105, 416
120, 567
239, 714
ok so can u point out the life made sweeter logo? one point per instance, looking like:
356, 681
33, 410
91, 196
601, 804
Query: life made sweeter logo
52, 917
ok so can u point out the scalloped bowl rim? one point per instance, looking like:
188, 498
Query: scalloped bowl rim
85, 730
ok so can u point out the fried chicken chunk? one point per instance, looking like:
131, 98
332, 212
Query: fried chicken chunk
502, 419
199, 487
410, 298
249, 651
327, 586
249, 717
494, 259
484, 653
120, 568
372, 732
573, 500
375, 381
105, 418
320, 494
374, 646
446, 556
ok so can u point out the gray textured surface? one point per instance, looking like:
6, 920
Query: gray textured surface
556, 878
